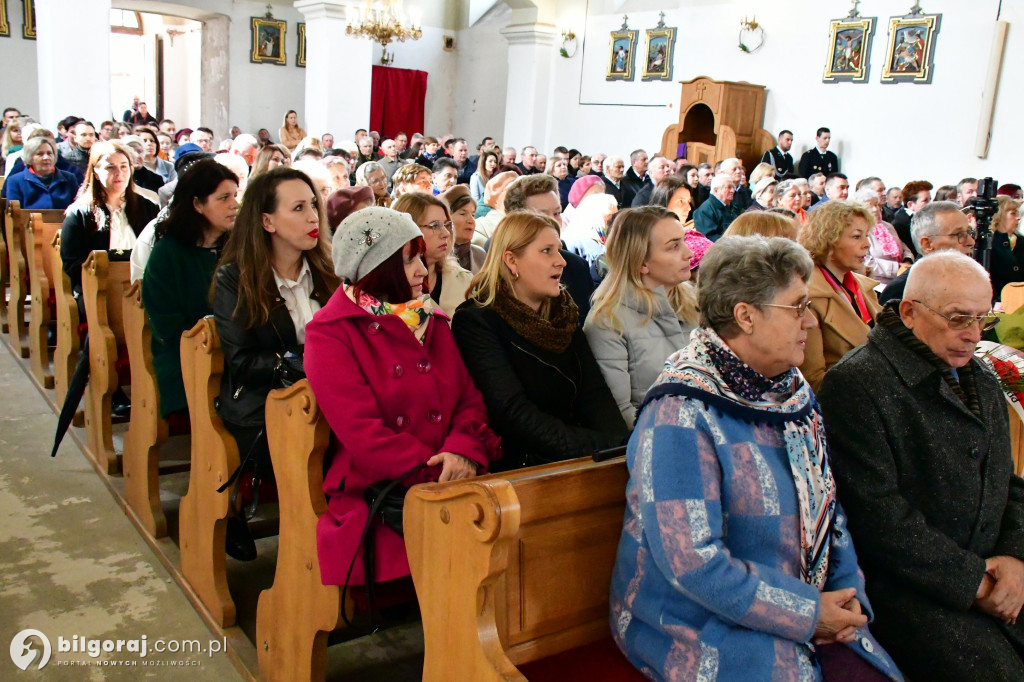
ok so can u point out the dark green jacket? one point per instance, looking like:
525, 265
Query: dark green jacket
176, 295
713, 217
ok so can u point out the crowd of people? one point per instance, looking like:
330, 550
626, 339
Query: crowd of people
812, 443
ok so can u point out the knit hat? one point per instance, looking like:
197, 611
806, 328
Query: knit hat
455, 194
343, 202
369, 237
698, 244
762, 184
580, 187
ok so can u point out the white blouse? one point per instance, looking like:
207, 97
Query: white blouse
297, 295
122, 236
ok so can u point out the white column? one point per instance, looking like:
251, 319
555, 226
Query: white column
73, 57
214, 78
531, 55
338, 71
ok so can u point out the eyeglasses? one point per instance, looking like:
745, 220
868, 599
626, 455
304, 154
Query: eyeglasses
960, 322
961, 237
437, 226
800, 309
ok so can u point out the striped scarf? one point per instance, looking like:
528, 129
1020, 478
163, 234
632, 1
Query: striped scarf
789, 404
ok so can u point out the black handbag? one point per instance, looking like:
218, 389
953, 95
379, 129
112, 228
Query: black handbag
386, 500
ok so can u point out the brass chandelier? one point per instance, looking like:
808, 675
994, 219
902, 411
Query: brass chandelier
383, 22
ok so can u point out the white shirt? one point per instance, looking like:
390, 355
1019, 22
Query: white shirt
297, 298
122, 236
144, 247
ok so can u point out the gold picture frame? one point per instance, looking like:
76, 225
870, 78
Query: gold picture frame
658, 53
5, 27
849, 50
621, 55
909, 57
268, 41
300, 55
28, 24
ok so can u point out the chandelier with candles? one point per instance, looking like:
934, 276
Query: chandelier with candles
383, 22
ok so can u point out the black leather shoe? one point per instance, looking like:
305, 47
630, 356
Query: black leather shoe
238, 541
120, 404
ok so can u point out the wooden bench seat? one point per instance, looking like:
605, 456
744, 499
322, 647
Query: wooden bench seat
69, 343
513, 568
14, 229
204, 511
103, 286
5, 274
42, 228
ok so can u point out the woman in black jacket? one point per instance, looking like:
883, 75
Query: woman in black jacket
519, 337
275, 272
108, 214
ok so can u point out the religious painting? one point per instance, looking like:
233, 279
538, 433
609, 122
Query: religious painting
909, 57
300, 56
28, 26
849, 49
621, 57
661, 43
268, 41
5, 28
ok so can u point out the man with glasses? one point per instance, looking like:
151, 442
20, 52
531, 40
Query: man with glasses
936, 226
917, 428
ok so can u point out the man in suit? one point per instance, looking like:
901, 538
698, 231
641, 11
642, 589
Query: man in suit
528, 161
597, 163
779, 157
916, 195
893, 203
659, 168
742, 198
614, 169
704, 175
819, 159
716, 214
636, 176
837, 186
921, 454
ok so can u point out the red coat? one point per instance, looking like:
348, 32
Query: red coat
392, 404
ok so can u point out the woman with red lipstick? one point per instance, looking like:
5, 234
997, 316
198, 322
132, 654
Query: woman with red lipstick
843, 301
274, 274
447, 281
389, 380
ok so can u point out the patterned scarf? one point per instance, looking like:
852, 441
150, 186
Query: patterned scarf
553, 333
415, 313
849, 289
708, 365
965, 388
890, 248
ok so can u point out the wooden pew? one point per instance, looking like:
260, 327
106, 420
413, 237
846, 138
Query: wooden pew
103, 286
512, 568
14, 227
147, 432
204, 511
5, 275
65, 356
42, 228
295, 615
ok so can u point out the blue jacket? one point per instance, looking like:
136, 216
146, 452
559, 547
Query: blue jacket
33, 193
19, 167
712, 218
707, 577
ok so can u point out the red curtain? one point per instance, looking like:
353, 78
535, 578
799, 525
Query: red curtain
396, 101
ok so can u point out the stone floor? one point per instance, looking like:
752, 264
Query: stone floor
72, 564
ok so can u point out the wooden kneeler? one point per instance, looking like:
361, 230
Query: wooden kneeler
40, 235
147, 432
204, 511
103, 286
295, 615
65, 356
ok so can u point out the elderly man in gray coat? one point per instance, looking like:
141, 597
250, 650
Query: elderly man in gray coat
921, 453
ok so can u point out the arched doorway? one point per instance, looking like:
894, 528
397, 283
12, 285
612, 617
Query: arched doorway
698, 134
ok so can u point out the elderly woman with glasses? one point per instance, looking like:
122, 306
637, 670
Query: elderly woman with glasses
843, 301
734, 555
371, 174
447, 281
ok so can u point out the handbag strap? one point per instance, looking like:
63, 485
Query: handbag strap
368, 544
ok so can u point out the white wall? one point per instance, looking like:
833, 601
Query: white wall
482, 78
19, 74
900, 132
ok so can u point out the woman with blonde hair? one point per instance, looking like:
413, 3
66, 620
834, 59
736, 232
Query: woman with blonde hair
447, 281
764, 223
761, 170
842, 301
519, 337
888, 254
11, 141
638, 313
290, 133
1007, 245
270, 156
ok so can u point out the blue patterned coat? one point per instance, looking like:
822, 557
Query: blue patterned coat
707, 579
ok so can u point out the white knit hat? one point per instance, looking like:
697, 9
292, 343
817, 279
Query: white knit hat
369, 237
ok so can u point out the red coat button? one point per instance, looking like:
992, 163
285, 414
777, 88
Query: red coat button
373, 328
423, 366
397, 371
434, 416
401, 420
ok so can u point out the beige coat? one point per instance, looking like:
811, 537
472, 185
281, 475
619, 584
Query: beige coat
454, 283
839, 329
291, 139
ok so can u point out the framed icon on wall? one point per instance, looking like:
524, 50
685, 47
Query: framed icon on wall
849, 50
621, 55
300, 56
268, 41
28, 25
661, 43
909, 58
